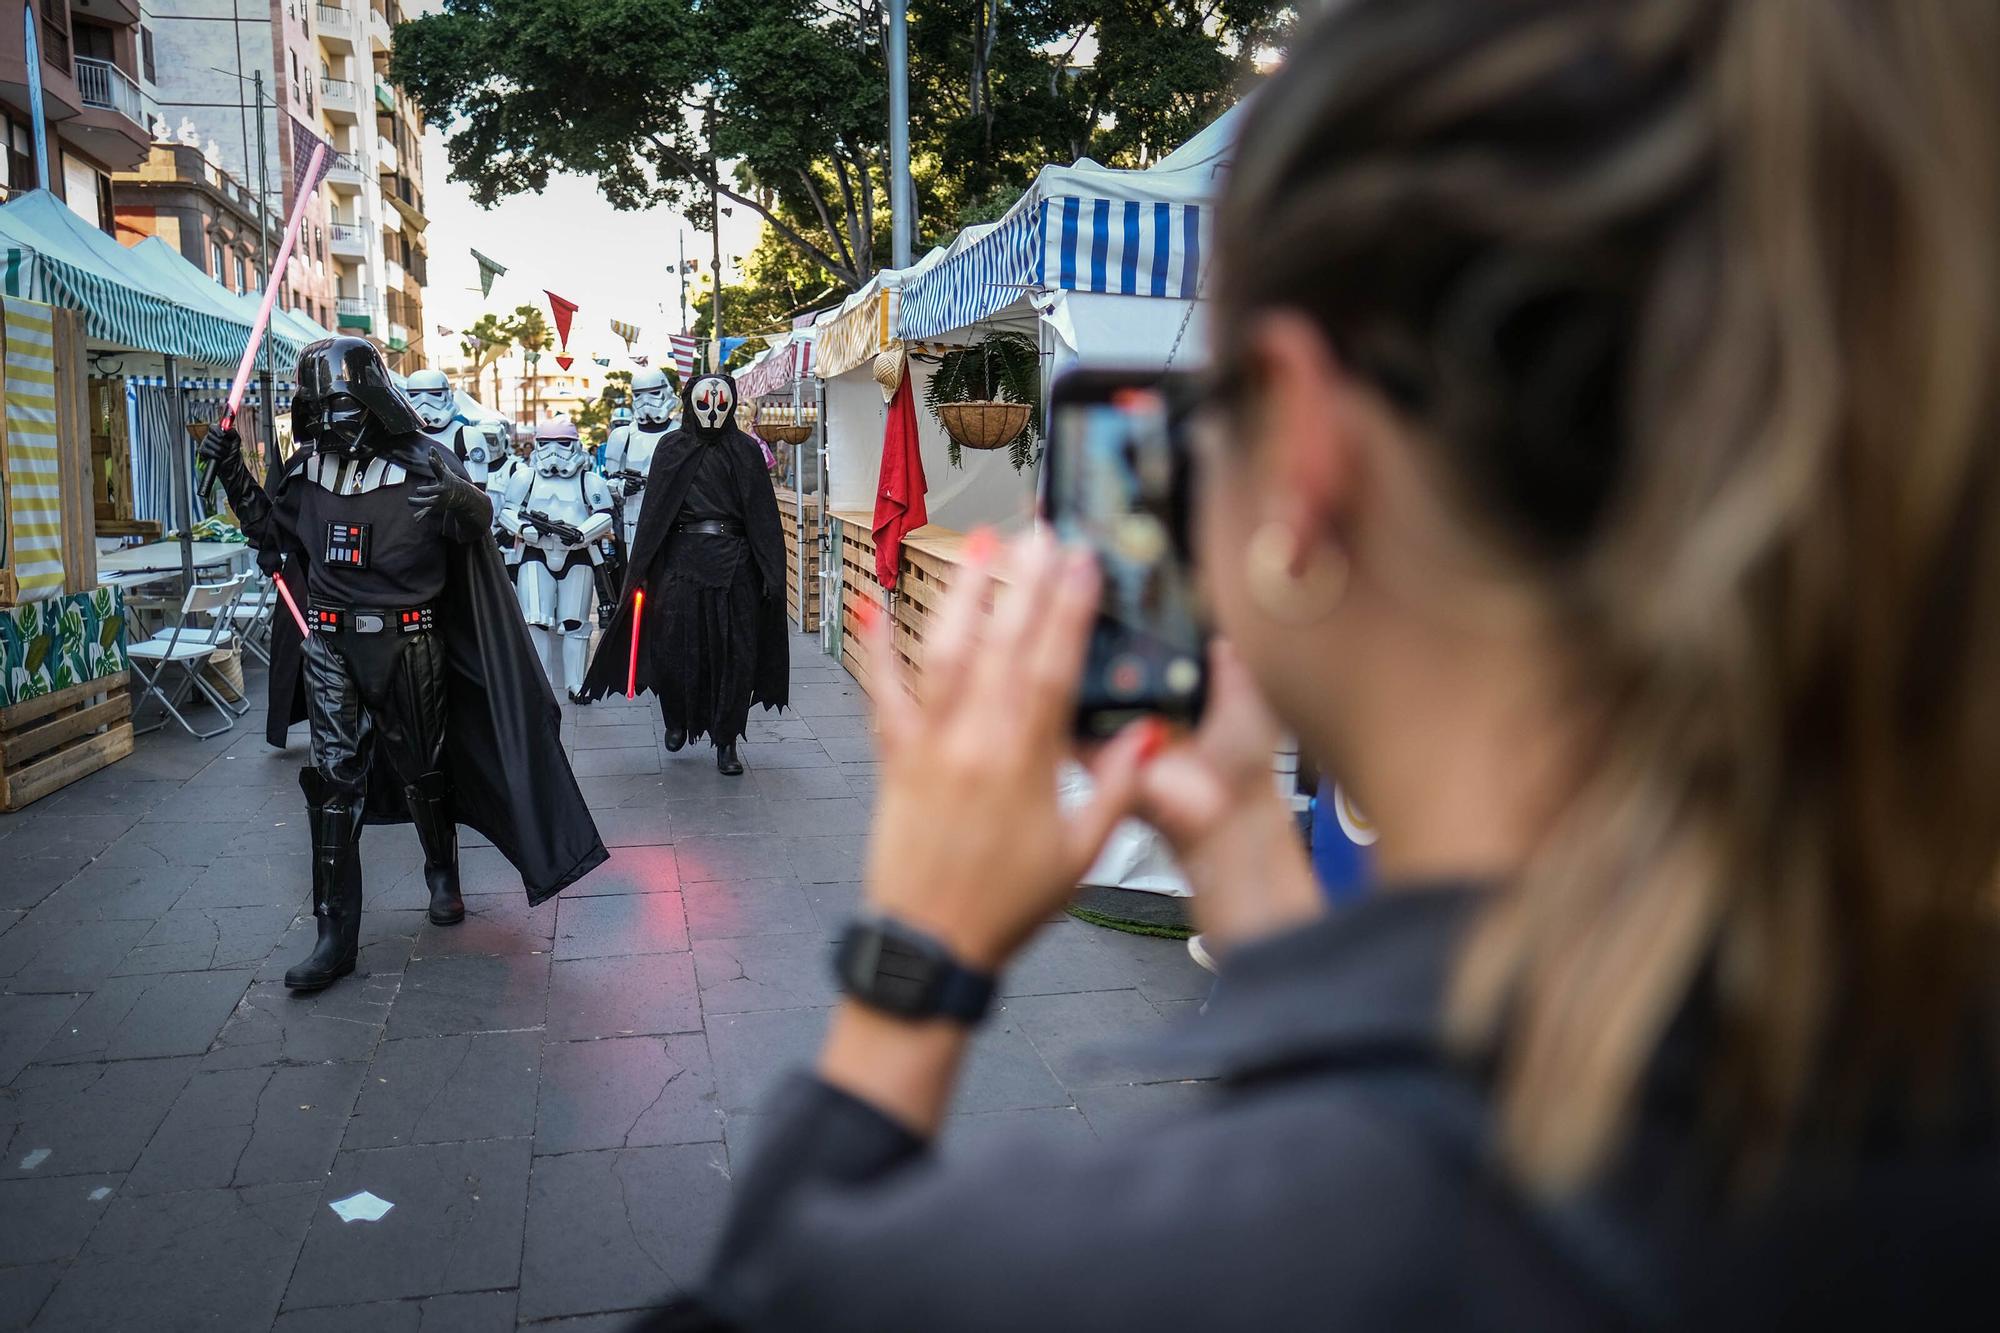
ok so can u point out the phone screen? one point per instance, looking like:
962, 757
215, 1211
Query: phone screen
1121, 485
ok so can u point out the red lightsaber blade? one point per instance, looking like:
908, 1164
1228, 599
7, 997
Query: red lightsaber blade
638, 619
291, 605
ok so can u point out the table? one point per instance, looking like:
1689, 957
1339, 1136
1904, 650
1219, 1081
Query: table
162, 558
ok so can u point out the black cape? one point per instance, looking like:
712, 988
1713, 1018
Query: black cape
667, 485
503, 745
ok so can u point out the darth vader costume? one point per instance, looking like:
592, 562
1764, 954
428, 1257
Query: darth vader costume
704, 590
424, 696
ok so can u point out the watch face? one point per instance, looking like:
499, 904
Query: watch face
890, 968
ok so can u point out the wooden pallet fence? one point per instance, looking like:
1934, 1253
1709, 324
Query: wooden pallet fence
795, 535
48, 742
857, 581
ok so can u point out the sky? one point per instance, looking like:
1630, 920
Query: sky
568, 240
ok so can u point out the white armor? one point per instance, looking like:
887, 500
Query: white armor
437, 408
630, 448
555, 582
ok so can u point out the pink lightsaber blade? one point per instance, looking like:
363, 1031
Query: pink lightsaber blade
263, 324
292, 606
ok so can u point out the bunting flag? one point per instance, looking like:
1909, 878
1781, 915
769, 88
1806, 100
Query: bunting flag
488, 270
642, 360
628, 332
565, 361
444, 332
684, 346
601, 360
729, 346
303, 143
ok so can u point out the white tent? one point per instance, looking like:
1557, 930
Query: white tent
1092, 251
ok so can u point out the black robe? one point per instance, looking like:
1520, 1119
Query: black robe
667, 484
503, 745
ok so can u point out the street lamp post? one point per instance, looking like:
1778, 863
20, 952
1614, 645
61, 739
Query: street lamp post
901, 196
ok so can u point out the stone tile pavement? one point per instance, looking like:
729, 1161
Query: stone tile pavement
555, 1099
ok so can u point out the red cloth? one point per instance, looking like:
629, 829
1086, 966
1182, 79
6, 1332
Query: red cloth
899, 496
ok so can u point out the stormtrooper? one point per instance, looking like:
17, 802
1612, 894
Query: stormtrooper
628, 454
437, 411
559, 508
414, 673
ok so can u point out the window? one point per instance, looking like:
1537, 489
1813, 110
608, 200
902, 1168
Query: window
242, 274
17, 162
215, 268
295, 75
107, 212
146, 55
94, 42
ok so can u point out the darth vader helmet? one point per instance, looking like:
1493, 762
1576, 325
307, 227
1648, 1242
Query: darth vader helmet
346, 403
558, 448
653, 399
711, 400
430, 393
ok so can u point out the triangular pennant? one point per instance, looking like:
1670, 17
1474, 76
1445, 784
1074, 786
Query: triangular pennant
601, 360
565, 361
563, 312
488, 270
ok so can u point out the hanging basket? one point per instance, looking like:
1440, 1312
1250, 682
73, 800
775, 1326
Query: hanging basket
983, 425
793, 434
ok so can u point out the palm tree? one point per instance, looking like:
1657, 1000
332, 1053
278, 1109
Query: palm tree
489, 339
531, 333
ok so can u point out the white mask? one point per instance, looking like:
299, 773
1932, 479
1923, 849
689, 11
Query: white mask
713, 402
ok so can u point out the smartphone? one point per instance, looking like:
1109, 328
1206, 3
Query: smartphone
1118, 478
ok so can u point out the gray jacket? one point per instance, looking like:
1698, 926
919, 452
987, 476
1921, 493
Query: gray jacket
1340, 1178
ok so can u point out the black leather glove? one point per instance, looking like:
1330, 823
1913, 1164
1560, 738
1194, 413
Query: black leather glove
222, 446
462, 506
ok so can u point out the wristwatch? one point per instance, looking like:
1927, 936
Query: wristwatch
898, 969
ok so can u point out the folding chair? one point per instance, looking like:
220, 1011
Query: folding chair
189, 646
252, 615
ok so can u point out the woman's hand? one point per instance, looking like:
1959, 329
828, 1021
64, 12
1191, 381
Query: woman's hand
971, 843
1213, 797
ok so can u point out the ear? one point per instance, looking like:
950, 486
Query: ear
1308, 450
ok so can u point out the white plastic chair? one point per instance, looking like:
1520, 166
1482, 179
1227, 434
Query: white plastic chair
189, 646
252, 615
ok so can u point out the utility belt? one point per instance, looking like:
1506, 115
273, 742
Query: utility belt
711, 527
347, 620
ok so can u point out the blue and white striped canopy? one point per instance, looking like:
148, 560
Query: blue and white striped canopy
1083, 228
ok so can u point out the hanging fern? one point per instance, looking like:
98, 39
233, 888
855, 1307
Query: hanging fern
1002, 367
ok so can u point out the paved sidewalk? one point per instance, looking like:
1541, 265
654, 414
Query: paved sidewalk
554, 1099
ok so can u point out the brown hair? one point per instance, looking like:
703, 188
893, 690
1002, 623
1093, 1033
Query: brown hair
1698, 300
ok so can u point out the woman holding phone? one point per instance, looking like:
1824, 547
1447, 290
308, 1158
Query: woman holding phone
1602, 475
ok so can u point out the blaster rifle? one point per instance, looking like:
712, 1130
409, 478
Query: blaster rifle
567, 533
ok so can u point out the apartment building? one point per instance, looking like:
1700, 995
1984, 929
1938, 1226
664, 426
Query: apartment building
97, 63
361, 261
181, 195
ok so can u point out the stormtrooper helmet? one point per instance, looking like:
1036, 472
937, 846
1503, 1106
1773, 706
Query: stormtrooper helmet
652, 397
558, 448
621, 415
431, 395
712, 399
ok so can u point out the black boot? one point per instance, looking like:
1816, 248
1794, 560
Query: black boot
726, 762
430, 811
676, 738
336, 888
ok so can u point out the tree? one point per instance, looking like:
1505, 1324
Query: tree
531, 335
489, 339
646, 95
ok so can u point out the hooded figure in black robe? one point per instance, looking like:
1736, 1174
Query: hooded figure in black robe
708, 558
426, 699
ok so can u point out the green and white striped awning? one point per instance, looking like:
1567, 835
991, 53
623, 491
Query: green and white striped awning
48, 253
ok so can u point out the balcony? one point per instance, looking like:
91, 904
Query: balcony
347, 240
337, 98
385, 156
379, 29
344, 177
354, 312
393, 274
336, 27
113, 125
